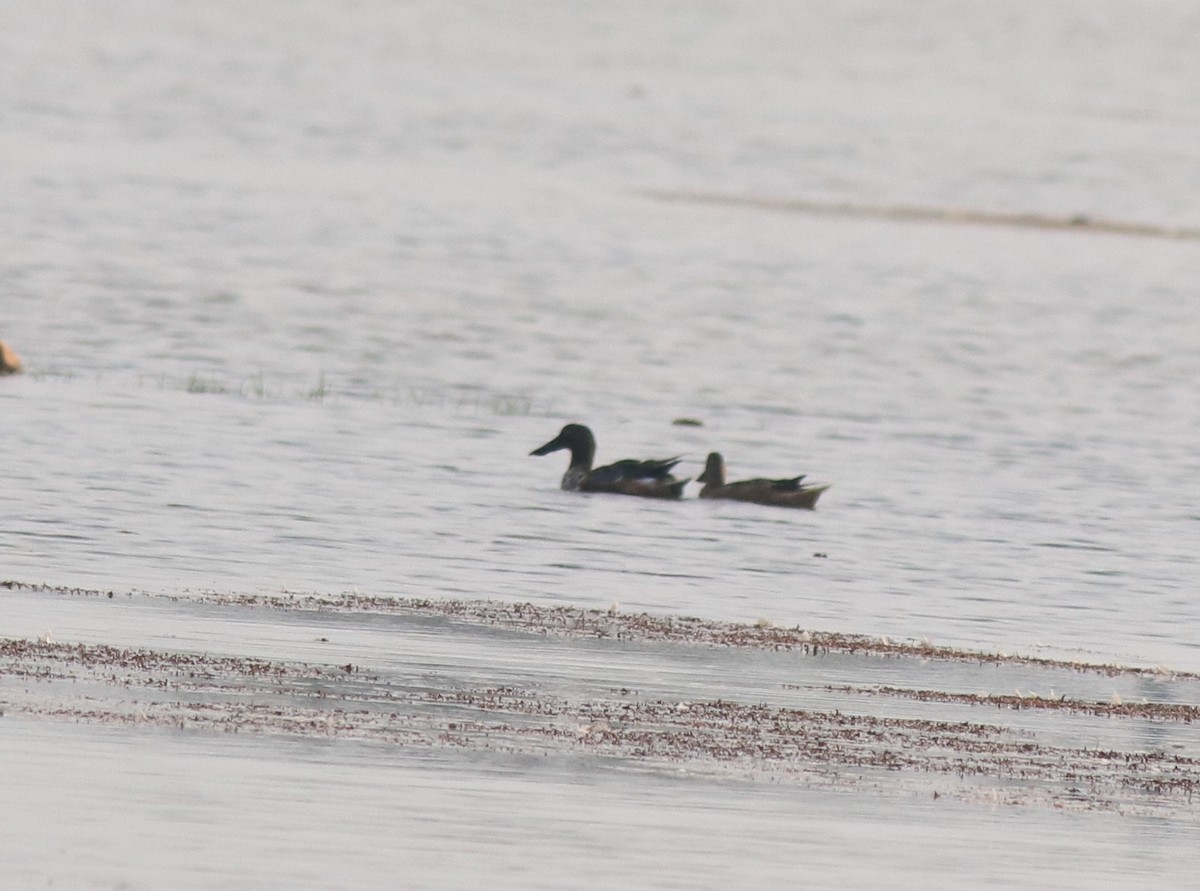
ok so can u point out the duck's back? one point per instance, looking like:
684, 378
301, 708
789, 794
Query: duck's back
649, 479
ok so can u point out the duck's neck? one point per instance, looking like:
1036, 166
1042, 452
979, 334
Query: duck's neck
713, 476
573, 478
582, 455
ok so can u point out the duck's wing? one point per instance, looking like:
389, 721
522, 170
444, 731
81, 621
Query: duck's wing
740, 490
805, 497
651, 488
764, 487
752, 489
649, 479
630, 470
792, 485
784, 493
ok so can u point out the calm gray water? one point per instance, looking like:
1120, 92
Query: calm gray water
299, 285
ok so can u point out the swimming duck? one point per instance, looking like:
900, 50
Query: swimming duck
649, 479
784, 493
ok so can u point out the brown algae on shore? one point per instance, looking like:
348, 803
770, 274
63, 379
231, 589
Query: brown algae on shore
612, 623
974, 748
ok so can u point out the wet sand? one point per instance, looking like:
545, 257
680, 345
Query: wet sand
651, 693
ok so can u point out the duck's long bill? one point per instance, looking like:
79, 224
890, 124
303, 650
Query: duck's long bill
552, 446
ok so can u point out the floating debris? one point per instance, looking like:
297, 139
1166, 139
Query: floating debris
10, 362
916, 214
1115, 708
567, 621
969, 760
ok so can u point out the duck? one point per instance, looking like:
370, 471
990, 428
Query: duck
647, 479
781, 493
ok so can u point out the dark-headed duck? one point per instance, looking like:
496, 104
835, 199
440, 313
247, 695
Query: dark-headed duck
783, 493
649, 479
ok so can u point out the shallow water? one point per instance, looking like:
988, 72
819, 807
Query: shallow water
562, 828
459, 745
299, 287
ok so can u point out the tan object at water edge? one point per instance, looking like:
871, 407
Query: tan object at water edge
10, 362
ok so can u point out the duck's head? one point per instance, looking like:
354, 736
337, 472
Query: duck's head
575, 437
714, 470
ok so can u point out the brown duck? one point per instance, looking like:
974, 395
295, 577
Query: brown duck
648, 479
782, 493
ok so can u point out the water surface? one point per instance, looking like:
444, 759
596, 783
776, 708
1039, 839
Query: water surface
298, 287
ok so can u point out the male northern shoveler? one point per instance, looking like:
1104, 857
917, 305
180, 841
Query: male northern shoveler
783, 493
649, 479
